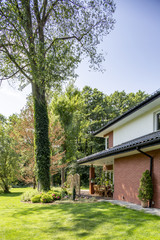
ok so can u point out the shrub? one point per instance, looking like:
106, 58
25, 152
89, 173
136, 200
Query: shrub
50, 196
46, 198
146, 188
53, 192
56, 196
64, 192
36, 198
26, 197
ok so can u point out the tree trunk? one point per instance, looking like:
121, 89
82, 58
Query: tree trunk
5, 186
6, 189
41, 142
34, 183
62, 176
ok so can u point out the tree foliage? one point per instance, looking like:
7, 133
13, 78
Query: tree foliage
48, 37
67, 106
82, 113
9, 162
22, 131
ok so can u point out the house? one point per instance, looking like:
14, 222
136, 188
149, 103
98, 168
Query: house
132, 146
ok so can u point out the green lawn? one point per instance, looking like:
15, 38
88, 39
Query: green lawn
73, 221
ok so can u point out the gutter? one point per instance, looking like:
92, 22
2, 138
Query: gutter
151, 167
104, 153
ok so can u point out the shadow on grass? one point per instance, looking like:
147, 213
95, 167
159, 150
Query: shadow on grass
82, 220
11, 194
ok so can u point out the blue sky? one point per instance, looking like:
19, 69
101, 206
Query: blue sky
132, 59
133, 50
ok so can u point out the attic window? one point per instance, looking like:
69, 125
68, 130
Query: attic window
158, 121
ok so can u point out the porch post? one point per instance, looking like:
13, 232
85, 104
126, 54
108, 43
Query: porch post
91, 177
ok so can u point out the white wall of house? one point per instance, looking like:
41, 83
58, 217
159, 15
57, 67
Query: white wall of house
137, 127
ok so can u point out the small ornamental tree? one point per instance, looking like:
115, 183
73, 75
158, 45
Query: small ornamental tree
146, 187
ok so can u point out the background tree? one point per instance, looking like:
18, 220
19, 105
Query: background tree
57, 139
41, 42
9, 164
120, 102
94, 115
83, 112
66, 106
97, 110
22, 131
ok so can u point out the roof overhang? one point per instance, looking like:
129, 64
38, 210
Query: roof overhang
140, 109
147, 142
109, 160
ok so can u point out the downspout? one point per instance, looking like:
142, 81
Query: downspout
151, 167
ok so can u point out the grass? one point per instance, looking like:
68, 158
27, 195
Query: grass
84, 187
99, 220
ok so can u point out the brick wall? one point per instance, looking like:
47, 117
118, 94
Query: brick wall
156, 178
127, 174
110, 135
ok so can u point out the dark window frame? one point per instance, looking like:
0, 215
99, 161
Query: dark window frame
107, 143
158, 121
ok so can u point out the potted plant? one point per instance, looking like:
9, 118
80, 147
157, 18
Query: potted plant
145, 189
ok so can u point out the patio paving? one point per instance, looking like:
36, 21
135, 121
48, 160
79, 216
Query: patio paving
154, 211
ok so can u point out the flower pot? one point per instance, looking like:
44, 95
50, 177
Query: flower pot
144, 204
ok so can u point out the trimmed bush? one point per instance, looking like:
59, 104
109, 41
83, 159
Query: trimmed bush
36, 198
56, 194
46, 198
27, 196
50, 196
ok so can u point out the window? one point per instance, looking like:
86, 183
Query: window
158, 121
107, 142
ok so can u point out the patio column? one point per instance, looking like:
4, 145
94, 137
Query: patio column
91, 178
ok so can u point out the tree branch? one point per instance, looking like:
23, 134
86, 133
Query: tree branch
19, 12
36, 10
78, 5
63, 38
13, 25
45, 2
6, 45
16, 64
73, 37
49, 11
6, 78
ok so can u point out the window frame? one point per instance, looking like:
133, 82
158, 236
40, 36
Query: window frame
156, 114
106, 142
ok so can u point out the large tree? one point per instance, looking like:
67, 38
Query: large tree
41, 42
